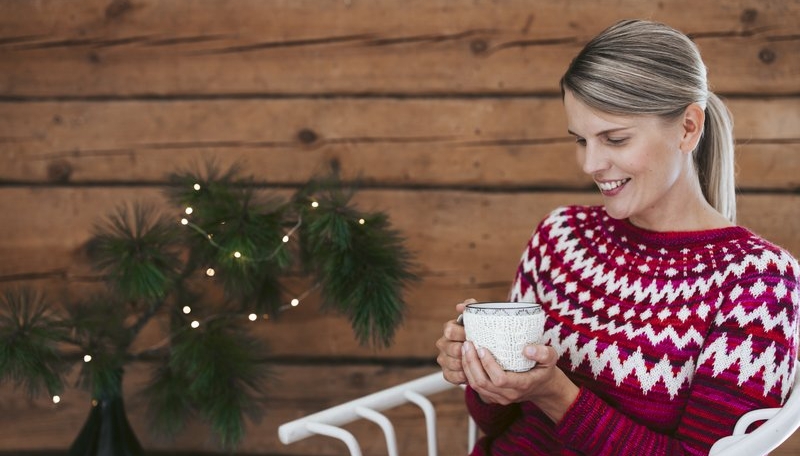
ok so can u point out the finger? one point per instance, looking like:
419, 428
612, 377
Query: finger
463, 304
497, 375
476, 375
454, 331
543, 354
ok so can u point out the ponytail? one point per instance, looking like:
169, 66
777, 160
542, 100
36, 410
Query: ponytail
714, 158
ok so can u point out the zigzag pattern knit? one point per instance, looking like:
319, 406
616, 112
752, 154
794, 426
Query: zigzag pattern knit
670, 336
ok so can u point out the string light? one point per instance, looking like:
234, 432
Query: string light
314, 204
94, 402
237, 254
188, 211
87, 358
195, 324
187, 310
361, 221
56, 399
197, 187
295, 302
210, 272
252, 317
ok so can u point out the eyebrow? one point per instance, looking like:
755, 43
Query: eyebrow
604, 132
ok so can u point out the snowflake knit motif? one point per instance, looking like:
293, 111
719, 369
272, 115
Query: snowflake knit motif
670, 336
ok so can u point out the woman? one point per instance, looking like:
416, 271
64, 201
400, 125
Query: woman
665, 321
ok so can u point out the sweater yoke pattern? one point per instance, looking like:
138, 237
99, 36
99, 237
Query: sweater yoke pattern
618, 296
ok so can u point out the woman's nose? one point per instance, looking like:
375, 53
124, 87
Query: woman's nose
592, 159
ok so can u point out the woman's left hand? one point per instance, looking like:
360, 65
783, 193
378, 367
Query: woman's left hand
545, 385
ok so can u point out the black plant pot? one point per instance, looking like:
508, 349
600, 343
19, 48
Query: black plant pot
107, 432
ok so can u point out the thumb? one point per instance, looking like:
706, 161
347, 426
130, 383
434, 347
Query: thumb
539, 353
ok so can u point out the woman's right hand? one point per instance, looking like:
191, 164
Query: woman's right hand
449, 346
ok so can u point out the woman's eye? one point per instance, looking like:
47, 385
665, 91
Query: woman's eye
616, 141
580, 141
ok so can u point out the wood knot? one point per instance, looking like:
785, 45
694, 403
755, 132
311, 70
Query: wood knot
358, 380
59, 171
748, 16
767, 55
117, 8
307, 136
479, 46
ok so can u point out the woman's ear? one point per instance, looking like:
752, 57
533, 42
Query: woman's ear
692, 127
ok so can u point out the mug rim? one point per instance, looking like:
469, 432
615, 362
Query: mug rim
503, 305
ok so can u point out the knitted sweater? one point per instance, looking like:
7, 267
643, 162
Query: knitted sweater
671, 336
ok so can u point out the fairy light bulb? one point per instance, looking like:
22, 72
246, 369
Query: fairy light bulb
252, 317
295, 302
56, 399
210, 271
195, 324
188, 210
314, 204
87, 358
184, 221
187, 310
361, 221
286, 239
197, 187
237, 254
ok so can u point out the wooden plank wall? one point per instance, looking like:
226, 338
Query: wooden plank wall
448, 110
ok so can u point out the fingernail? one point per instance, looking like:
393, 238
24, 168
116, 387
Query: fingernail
465, 347
530, 351
481, 352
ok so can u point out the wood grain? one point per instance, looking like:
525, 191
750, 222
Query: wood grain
448, 113
461, 249
508, 143
159, 48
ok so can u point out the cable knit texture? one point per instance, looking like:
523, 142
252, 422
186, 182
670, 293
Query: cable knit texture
670, 336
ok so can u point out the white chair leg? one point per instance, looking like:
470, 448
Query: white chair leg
472, 434
381, 420
430, 418
337, 433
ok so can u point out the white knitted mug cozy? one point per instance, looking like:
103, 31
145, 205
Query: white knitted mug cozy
505, 328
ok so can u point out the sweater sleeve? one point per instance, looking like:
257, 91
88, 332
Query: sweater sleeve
492, 419
747, 362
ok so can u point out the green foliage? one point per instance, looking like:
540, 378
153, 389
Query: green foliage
361, 264
234, 237
138, 251
29, 334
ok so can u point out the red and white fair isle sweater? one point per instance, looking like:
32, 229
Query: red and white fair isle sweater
670, 336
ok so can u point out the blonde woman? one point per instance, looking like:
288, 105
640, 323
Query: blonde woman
665, 320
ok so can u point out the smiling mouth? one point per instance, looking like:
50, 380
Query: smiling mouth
610, 186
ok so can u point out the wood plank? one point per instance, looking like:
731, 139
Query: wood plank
467, 244
38, 424
154, 47
431, 142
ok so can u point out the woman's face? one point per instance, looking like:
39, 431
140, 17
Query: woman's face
637, 163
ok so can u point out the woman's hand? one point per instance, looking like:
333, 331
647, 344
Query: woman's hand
449, 346
545, 385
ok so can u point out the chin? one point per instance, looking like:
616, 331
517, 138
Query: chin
617, 213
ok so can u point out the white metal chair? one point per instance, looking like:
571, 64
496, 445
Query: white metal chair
780, 423
328, 421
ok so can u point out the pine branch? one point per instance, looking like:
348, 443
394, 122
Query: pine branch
29, 334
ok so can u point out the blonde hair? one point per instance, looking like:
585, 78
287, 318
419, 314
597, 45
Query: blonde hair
640, 67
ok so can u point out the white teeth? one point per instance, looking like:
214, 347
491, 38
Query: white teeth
608, 186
